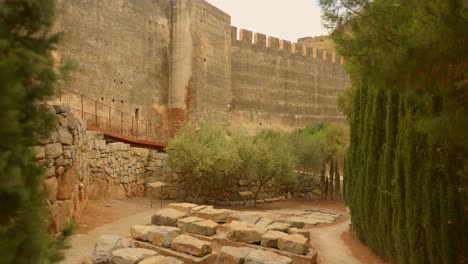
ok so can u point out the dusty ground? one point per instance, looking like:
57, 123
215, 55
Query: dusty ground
333, 242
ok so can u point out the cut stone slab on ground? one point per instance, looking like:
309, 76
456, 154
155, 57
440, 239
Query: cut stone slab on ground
295, 243
190, 245
206, 227
167, 217
163, 235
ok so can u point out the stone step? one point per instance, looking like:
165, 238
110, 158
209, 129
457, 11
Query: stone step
185, 258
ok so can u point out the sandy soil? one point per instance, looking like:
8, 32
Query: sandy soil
333, 241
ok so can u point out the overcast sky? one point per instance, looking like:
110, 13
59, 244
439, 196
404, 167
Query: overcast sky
285, 19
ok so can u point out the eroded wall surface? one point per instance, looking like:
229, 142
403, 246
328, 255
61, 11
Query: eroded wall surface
121, 49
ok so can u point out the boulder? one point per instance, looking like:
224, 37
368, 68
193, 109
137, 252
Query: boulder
182, 223
265, 257
103, 248
130, 255
270, 238
278, 226
244, 232
140, 232
167, 217
190, 245
233, 255
294, 243
183, 207
205, 227
163, 236
303, 232
215, 215
161, 260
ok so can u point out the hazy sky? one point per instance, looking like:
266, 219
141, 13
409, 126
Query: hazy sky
285, 19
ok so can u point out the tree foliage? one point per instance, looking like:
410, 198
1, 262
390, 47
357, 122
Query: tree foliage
406, 171
27, 78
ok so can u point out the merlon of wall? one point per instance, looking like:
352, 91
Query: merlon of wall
261, 40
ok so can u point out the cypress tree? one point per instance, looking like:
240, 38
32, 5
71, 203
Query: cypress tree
337, 181
27, 78
331, 174
406, 178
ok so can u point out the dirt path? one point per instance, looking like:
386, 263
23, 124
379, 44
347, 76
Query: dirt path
330, 246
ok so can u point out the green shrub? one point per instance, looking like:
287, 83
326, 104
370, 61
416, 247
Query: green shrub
205, 156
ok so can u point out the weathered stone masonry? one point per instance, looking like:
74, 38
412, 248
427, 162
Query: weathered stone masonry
177, 60
81, 164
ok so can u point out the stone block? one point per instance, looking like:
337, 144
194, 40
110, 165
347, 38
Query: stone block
270, 238
167, 217
216, 215
54, 150
140, 232
294, 243
49, 172
64, 136
67, 182
161, 260
278, 226
264, 222
266, 257
104, 247
163, 236
130, 255
50, 186
182, 223
190, 245
60, 215
233, 255
302, 232
61, 108
39, 151
245, 232
206, 227
183, 207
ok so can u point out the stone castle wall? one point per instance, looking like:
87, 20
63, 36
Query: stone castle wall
277, 84
180, 60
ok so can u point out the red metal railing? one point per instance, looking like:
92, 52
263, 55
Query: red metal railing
106, 118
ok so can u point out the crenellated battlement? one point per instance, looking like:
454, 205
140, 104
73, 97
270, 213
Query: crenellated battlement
247, 37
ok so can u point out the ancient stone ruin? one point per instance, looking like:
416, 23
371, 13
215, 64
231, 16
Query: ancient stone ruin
190, 233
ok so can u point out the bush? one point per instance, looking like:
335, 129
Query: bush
275, 160
205, 156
